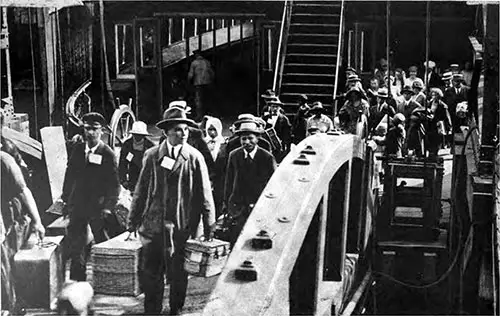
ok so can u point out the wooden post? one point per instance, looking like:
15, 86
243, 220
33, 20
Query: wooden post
490, 101
256, 52
388, 45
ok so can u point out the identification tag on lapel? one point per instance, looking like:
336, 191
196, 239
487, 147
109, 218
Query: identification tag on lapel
167, 163
129, 157
95, 159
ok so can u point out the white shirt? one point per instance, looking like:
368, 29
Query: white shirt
92, 150
272, 120
177, 149
252, 153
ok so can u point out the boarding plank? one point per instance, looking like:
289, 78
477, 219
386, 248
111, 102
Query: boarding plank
56, 158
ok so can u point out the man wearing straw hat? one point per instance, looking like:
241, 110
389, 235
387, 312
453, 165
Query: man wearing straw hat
249, 169
132, 151
171, 196
281, 125
323, 123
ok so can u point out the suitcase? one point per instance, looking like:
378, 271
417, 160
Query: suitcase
205, 258
115, 266
39, 274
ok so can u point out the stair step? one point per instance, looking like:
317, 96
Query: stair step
312, 45
303, 84
311, 55
314, 24
314, 35
308, 75
308, 94
315, 14
308, 65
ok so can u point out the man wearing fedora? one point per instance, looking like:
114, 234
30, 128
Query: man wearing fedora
171, 196
318, 119
299, 126
234, 141
249, 169
281, 125
382, 108
419, 95
454, 95
90, 192
131, 153
407, 104
433, 79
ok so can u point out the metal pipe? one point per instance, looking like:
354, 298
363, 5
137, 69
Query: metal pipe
35, 111
357, 295
339, 51
427, 44
7, 60
280, 42
388, 50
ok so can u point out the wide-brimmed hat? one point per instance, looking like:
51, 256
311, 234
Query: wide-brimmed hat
175, 116
459, 77
382, 93
455, 66
248, 126
352, 78
268, 94
139, 128
430, 64
275, 101
351, 70
354, 89
437, 91
180, 104
407, 89
448, 75
316, 107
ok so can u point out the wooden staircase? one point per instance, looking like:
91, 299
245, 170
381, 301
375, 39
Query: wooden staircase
311, 52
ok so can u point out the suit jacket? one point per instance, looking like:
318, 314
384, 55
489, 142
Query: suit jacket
89, 188
244, 184
234, 143
451, 98
282, 128
181, 195
434, 81
129, 170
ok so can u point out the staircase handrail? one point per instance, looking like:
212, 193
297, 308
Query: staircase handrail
280, 54
339, 50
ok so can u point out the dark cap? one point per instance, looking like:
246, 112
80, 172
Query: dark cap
93, 118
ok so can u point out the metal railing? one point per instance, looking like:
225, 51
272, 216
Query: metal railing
283, 39
339, 53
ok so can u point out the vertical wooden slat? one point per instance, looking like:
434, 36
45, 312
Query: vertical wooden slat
257, 52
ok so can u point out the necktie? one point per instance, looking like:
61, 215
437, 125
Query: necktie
173, 153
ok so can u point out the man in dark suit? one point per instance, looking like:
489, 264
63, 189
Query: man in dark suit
234, 141
172, 195
249, 169
280, 123
433, 79
454, 95
90, 192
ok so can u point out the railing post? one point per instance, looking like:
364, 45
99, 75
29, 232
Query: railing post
339, 52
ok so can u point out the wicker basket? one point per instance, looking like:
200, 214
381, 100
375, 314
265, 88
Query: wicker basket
205, 258
115, 266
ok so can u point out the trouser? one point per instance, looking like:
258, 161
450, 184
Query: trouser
238, 214
156, 260
7, 278
80, 243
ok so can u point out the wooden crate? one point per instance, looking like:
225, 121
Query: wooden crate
39, 274
115, 266
205, 258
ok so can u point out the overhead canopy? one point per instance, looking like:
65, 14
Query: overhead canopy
41, 3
